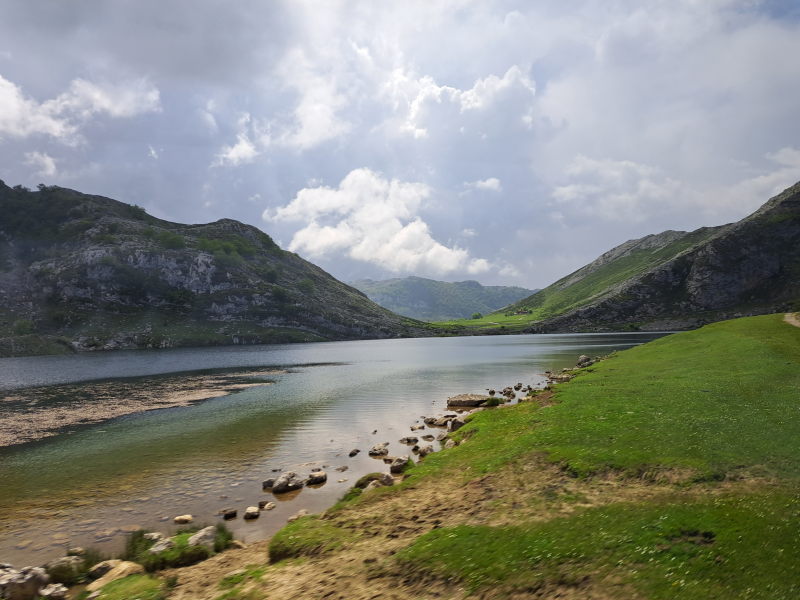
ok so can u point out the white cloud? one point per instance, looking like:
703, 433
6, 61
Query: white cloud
615, 190
152, 152
375, 220
492, 184
44, 164
62, 116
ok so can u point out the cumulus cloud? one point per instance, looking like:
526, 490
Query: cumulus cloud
43, 164
372, 219
615, 189
62, 116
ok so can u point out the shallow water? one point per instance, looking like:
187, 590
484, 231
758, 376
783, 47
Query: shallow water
90, 484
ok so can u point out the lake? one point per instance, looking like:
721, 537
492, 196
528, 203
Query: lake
290, 407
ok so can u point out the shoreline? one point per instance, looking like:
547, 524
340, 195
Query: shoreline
38, 413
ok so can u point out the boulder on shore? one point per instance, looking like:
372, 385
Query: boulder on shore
205, 537
399, 464
23, 584
123, 569
102, 568
466, 400
425, 450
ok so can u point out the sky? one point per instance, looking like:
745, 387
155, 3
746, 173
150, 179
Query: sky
503, 141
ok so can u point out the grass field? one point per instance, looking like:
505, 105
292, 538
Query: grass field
717, 404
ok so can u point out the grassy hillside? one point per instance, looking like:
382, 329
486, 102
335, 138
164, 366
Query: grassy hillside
671, 470
431, 300
672, 280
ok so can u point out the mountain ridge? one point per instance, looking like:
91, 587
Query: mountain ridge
433, 300
87, 272
744, 268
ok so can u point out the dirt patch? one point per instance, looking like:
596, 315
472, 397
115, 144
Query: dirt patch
527, 491
792, 319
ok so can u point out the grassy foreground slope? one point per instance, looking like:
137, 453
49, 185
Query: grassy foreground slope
671, 470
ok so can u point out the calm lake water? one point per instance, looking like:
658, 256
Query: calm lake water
89, 485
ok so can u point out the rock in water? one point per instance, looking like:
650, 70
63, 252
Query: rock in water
467, 400
251, 512
287, 482
183, 519
353, 452
425, 450
204, 537
229, 513
317, 478
381, 449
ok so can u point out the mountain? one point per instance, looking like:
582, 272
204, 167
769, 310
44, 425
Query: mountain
432, 300
680, 280
86, 272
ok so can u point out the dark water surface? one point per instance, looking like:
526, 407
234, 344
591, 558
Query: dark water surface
91, 484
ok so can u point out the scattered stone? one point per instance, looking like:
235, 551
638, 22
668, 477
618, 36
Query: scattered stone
342, 469
251, 512
417, 427
266, 505
54, 591
492, 392
584, 361
381, 449
277, 470
102, 568
76, 551
341, 480
23, 584
204, 537
429, 420
154, 536
229, 513
317, 478
450, 444
517, 387
316, 470
399, 464
299, 514
410, 440
443, 421
466, 400
385, 479
161, 546
267, 484
287, 482
428, 437
183, 519
123, 569
441, 436
425, 450
353, 452
374, 484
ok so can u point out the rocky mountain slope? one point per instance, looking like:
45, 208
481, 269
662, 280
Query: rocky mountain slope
86, 272
679, 280
432, 300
